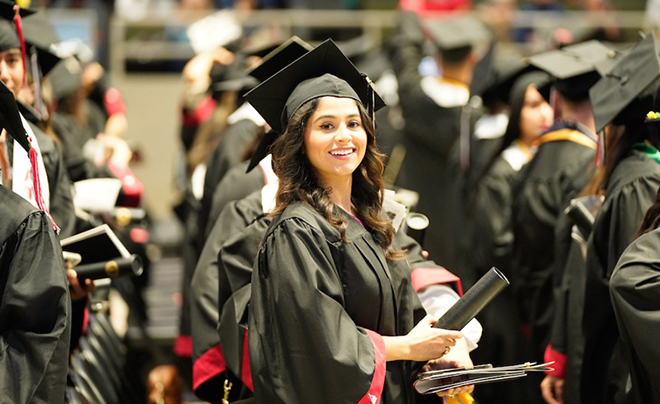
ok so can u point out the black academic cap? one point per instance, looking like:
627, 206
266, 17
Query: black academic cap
10, 119
279, 58
66, 77
507, 71
457, 33
7, 10
577, 67
8, 36
630, 90
277, 98
46, 59
323, 71
39, 30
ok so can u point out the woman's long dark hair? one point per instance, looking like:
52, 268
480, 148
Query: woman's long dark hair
299, 182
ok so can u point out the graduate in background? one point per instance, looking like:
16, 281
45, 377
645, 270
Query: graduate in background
630, 182
433, 108
634, 290
333, 311
561, 167
35, 307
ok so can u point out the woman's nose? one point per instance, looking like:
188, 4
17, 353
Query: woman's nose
342, 134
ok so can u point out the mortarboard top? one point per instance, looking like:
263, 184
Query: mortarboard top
10, 119
279, 58
629, 91
457, 33
39, 30
323, 71
576, 67
506, 73
66, 77
277, 98
7, 10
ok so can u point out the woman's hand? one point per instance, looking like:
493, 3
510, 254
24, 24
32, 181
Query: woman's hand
422, 342
77, 290
552, 389
458, 357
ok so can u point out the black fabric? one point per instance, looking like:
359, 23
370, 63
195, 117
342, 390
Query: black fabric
236, 184
634, 291
313, 298
227, 153
210, 289
59, 184
35, 307
430, 133
630, 192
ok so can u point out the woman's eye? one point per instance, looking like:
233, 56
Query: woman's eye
354, 124
326, 126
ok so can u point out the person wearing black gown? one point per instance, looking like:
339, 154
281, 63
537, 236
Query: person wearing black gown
35, 307
561, 167
634, 290
630, 182
433, 110
332, 312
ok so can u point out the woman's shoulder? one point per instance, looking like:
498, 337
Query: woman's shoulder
300, 215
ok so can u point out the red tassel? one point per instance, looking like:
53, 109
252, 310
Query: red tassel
19, 31
36, 184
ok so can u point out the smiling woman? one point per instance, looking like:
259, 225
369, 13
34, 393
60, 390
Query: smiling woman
333, 310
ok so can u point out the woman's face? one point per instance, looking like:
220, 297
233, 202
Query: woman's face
535, 116
335, 140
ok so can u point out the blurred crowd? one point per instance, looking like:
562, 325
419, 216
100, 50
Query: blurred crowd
509, 141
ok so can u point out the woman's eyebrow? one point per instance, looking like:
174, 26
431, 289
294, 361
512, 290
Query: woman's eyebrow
328, 116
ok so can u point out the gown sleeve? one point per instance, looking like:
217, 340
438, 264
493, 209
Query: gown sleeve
304, 347
635, 292
34, 315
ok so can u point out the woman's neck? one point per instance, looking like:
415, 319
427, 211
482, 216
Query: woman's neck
341, 193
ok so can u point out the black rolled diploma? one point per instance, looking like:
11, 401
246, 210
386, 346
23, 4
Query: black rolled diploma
110, 269
472, 302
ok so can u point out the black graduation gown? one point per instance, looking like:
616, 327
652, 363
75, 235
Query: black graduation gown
635, 293
491, 244
318, 309
558, 171
227, 154
35, 307
630, 192
210, 290
236, 184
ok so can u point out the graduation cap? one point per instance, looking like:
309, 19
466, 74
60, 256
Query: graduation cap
279, 57
505, 75
7, 10
629, 91
458, 34
577, 67
39, 30
66, 77
323, 71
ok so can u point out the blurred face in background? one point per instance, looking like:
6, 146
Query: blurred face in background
536, 115
11, 69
